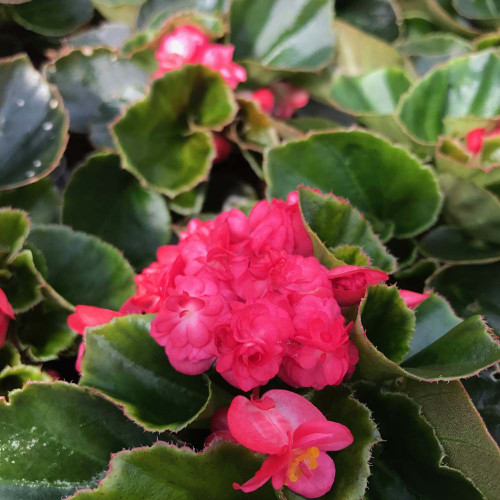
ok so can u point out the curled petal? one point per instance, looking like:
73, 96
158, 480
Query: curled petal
271, 466
325, 435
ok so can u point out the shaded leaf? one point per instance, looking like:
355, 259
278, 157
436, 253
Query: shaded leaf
14, 229
111, 35
14, 377
9, 356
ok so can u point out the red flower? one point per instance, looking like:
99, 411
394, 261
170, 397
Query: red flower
280, 99
349, 282
295, 435
413, 299
474, 139
222, 148
265, 98
6, 314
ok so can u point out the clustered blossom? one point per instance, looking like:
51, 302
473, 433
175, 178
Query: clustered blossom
6, 314
189, 45
292, 432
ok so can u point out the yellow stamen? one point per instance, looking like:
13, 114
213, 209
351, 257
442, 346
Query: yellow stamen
308, 456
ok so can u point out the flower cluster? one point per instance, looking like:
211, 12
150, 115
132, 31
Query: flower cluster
189, 45
292, 432
6, 314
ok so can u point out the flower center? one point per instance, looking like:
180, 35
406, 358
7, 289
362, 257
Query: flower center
302, 464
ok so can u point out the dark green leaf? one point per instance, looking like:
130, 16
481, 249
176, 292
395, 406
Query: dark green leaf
164, 140
190, 202
124, 362
449, 244
334, 223
463, 435
14, 377
33, 124
41, 200
289, 36
309, 123
446, 92
445, 16
383, 181
471, 290
96, 86
482, 10
410, 452
82, 268
167, 472
69, 430
53, 17
104, 200
9, 356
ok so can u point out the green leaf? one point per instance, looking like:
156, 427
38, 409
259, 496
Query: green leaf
164, 140
190, 202
443, 354
111, 35
388, 185
446, 92
53, 17
14, 229
490, 155
309, 123
485, 394
124, 11
82, 268
124, 362
358, 52
471, 290
9, 356
41, 200
377, 17
331, 222
463, 435
487, 41
22, 282
445, 16
44, 332
14, 377
474, 210
351, 463
352, 255
481, 10
433, 48
449, 244
69, 430
117, 209
96, 86
164, 471
375, 92
413, 277
409, 452
33, 124
295, 36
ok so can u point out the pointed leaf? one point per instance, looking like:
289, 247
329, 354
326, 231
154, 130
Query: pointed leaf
164, 140
33, 124
388, 185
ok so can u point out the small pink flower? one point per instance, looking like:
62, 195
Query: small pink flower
6, 314
265, 98
189, 45
475, 138
295, 435
288, 99
349, 282
185, 324
413, 299
250, 343
85, 316
319, 353
222, 148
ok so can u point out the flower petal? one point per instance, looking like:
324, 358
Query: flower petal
320, 480
271, 466
325, 435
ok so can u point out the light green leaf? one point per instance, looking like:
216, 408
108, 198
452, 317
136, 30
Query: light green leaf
123, 11
14, 229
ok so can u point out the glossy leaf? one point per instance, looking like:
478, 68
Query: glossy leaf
447, 92
14, 377
124, 362
332, 223
165, 471
390, 187
82, 268
482, 10
283, 35
44, 332
449, 244
14, 229
485, 394
181, 108
377, 17
428, 50
474, 210
465, 439
112, 35
117, 209
410, 451
471, 290
53, 17
33, 124
40, 200
462, 351
96, 86
69, 430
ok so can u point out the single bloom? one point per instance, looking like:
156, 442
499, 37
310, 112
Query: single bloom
6, 314
294, 434
475, 138
349, 282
